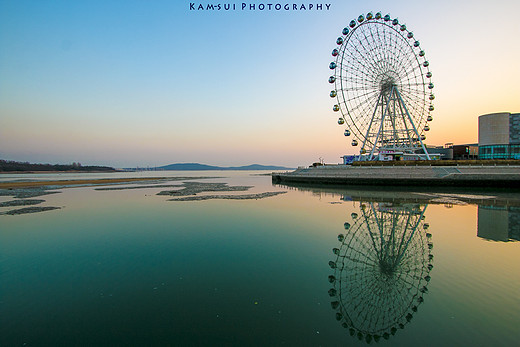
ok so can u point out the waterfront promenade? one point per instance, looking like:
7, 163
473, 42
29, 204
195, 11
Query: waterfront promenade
420, 175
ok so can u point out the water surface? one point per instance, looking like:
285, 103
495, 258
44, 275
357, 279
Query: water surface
312, 267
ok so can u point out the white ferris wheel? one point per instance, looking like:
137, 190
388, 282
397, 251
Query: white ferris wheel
382, 87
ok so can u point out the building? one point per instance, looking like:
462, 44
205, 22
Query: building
439, 152
499, 136
465, 152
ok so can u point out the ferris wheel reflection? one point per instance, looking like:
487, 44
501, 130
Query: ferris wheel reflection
381, 269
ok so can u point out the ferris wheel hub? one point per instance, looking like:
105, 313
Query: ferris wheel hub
387, 85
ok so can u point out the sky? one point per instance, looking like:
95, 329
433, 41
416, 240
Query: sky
147, 83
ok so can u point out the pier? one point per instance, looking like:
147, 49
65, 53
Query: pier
412, 175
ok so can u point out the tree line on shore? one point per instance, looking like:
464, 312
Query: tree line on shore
15, 166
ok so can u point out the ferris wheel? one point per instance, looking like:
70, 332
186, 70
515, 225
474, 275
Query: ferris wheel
382, 87
381, 269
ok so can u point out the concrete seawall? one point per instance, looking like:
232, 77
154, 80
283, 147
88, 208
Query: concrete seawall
463, 176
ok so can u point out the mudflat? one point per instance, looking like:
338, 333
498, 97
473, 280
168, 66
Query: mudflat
30, 184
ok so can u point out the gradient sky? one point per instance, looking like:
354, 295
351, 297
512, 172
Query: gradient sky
126, 83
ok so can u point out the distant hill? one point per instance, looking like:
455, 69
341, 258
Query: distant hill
15, 166
204, 167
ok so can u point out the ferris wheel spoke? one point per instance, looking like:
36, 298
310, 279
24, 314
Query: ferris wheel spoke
361, 100
355, 54
379, 48
360, 262
401, 65
366, 46
362, 93
353, 59
416, 106
415, 98
359, 89
361, 71
419, 86
361, 107
403, 58
414, 95
416, 71
361, 126
357, 80
404, 54
401, 49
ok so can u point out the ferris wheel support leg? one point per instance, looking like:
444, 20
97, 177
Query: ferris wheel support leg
405, 124
371, 156
370, 126
408, 131
392, 121
413, 125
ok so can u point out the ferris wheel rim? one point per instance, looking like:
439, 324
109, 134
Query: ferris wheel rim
350, 114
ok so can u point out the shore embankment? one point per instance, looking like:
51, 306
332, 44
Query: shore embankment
406, 175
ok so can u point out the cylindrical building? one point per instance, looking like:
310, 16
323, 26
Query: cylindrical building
499, 136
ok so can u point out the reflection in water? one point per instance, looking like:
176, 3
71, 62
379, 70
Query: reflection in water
499, 223
381, 269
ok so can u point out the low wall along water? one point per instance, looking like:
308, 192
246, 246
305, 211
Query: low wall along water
401, 175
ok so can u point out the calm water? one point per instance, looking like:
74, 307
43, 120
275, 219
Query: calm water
307, 268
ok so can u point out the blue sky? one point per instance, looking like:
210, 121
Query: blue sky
127, 83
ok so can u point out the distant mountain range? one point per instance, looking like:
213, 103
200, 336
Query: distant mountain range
203, 167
